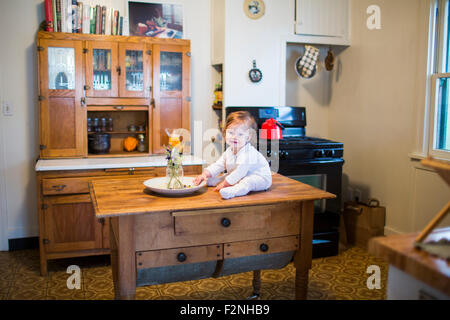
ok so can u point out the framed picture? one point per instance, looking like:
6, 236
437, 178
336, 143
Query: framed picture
254, 9
152, 19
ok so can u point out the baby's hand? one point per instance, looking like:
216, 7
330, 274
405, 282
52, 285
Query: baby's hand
223, 184
205, 175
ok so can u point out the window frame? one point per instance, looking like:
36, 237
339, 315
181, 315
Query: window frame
438, 61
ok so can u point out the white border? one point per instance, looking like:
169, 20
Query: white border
159, 2
3, 204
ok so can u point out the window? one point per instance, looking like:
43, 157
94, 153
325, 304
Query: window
439, 135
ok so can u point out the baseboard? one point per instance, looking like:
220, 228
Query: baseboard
23, 243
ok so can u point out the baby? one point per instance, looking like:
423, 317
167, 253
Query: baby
247, 169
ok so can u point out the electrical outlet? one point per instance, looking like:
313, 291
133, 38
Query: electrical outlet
358, 195
350, 193
7, 108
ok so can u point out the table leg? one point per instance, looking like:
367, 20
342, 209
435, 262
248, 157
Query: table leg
123, 262
303, 256
256, 285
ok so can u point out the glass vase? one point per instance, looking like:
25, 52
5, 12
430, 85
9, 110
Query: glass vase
174, 176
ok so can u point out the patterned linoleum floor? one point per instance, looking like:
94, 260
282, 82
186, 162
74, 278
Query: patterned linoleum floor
332, 278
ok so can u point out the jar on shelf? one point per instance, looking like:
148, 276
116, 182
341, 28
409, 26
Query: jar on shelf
103, 125
141, 143
96, 126
110, 125
89, 125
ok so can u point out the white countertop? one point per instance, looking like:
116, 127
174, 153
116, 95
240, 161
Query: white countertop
109, 163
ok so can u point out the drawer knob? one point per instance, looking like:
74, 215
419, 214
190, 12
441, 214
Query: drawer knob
181, 257
263, 247
226, 222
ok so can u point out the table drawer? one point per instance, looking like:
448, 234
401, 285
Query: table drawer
263, 246
178, 256
65, 186
221, 221
166, 230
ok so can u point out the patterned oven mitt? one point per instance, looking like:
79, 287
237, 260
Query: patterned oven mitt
307, 63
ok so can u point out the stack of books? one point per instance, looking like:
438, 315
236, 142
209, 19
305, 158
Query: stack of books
73, 17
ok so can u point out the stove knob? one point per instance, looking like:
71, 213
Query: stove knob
283, 154
318, 154
329, 153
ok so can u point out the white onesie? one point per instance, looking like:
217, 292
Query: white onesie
247, 171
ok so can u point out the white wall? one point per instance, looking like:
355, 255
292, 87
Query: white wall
373, 110
19, 21
373, 101
261, 40
20, 131
314, 94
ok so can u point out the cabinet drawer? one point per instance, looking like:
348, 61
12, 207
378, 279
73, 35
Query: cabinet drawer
177, 256
65, 186
263, 246
137, 171
220, 221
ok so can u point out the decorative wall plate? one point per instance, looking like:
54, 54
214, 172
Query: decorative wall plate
254, 9
255, 74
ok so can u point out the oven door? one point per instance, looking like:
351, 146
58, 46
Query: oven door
318, 181
325, 175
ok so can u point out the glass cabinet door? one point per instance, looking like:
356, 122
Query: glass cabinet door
61, 68
101, 69
171, 69
134, 70
62, 114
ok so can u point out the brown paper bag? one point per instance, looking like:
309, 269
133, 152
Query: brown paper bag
363, 221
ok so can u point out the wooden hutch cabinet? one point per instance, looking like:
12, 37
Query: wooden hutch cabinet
126, 81
137, 81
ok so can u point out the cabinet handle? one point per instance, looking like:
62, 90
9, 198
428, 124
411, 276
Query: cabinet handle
118, 107
181, 257
225, 222
118, 70
263, 247
83, 101
59, 187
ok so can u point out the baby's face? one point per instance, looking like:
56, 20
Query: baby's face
237, 135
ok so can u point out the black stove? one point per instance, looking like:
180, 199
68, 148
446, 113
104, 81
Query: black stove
311, 160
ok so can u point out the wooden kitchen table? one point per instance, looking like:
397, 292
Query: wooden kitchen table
152, 231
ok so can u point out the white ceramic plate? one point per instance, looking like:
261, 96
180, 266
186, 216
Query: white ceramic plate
159, 185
